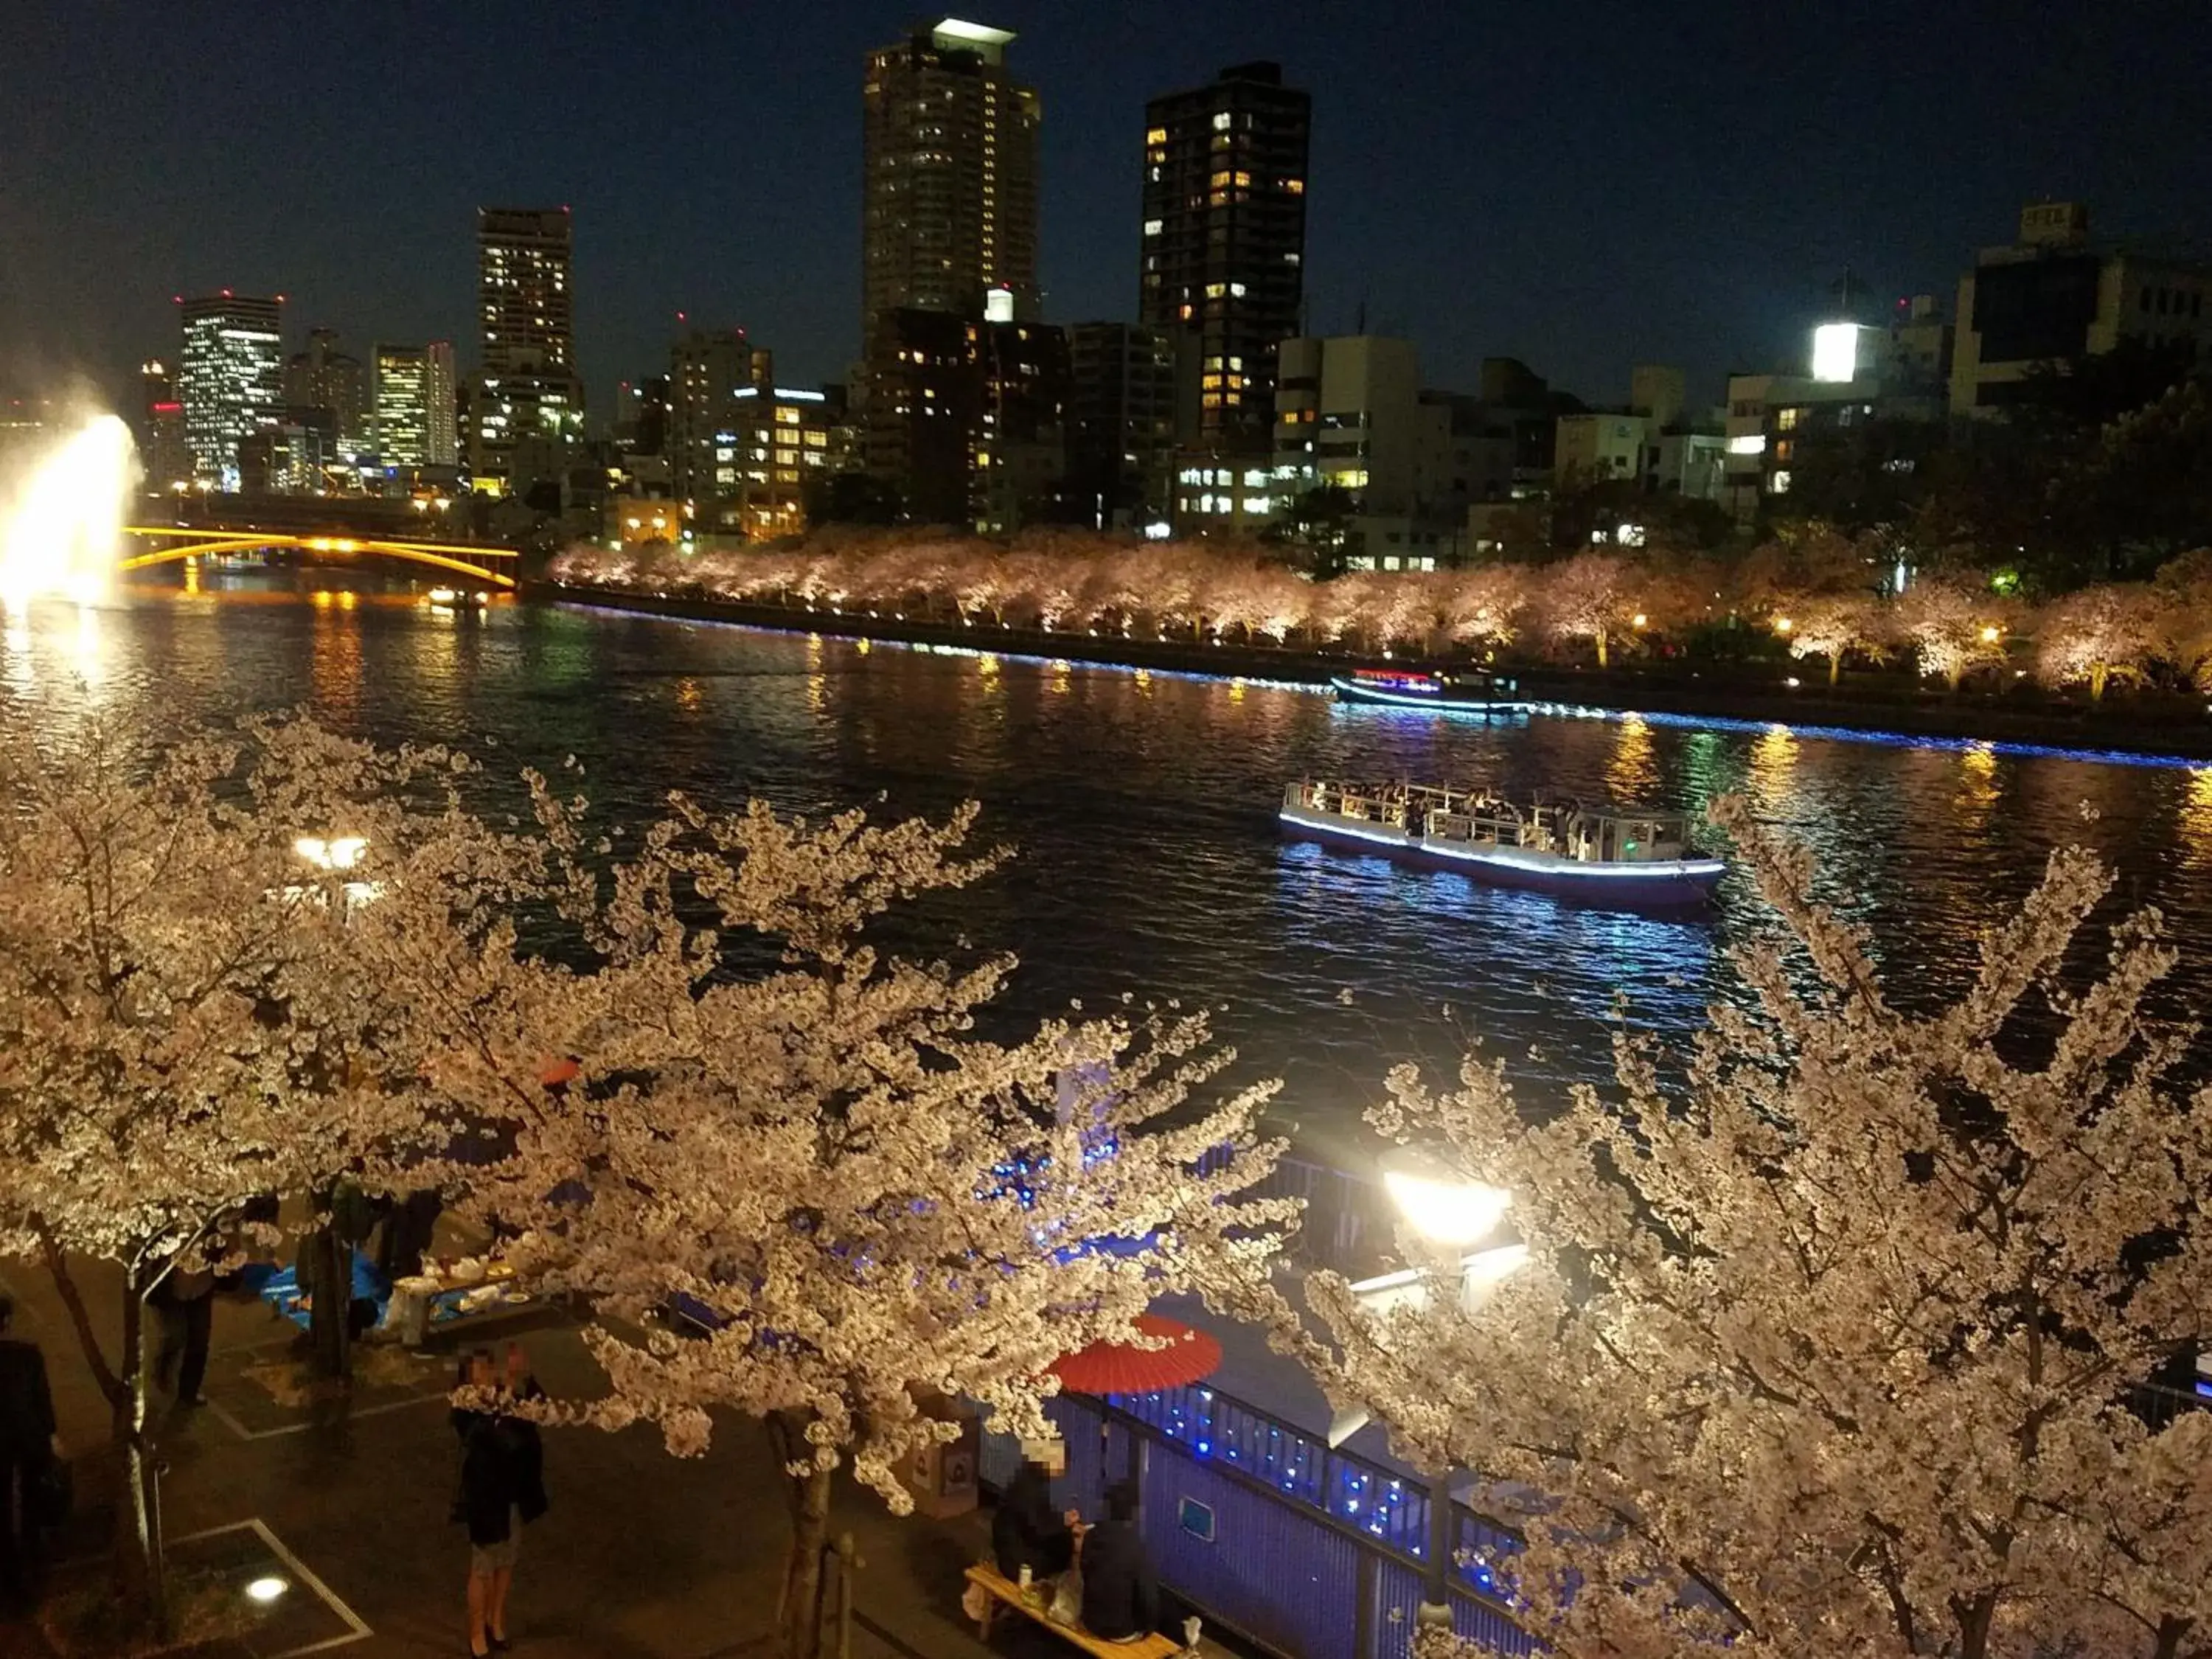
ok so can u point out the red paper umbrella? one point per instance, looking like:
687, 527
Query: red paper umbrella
1119, 1368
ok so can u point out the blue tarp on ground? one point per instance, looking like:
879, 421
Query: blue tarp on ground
281, 1290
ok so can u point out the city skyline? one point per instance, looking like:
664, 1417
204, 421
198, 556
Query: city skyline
1581, 200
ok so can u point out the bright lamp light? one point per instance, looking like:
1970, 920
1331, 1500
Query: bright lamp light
339, 853
1444, 1209
266, 1590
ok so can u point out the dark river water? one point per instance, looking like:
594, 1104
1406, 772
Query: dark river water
1141, 809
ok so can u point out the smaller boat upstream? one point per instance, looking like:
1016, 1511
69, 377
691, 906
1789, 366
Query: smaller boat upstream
1445, 691
1626, 857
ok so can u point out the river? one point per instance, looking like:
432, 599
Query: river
1141, 808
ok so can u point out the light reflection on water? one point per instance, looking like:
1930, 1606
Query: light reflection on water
1142, 808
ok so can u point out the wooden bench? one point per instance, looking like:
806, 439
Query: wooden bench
1003, 1589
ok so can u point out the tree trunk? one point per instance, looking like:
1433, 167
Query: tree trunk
1601, 648
802, 1580
327, 1263
2098, 675
1835, 668
140, 1563
137, 1542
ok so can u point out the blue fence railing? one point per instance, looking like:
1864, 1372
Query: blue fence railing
1312, 1553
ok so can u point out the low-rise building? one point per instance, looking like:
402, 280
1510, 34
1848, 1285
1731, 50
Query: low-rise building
2052, 297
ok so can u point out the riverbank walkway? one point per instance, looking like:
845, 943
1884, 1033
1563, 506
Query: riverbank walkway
643, 1556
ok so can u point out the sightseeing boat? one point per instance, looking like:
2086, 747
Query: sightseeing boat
1623, 856
1452, 691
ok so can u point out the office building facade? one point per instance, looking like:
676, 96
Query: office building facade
949, 164
229, 379
1224, 238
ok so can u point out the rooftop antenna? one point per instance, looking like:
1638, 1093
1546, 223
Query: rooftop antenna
1848, 290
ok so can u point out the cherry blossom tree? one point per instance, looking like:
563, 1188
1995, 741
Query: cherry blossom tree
1589, 597
1951, 627
859, 1202
1835, 625
2098, 634
1828, 1334
1484, 603
186, 1023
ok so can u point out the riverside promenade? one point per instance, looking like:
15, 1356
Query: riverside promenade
642, 1556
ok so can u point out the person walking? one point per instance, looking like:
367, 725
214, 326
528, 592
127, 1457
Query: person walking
502, 1488
1121, 1597
28, 1449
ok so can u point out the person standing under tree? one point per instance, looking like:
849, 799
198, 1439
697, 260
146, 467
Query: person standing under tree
28, 1447
184, 1299
502, 1488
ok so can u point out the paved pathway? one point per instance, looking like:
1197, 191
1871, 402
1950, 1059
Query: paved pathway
642, 1557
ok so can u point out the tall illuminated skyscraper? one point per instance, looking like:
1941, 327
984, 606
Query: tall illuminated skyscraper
948, 175
229, 379
403, 409
1224, 237
527, 406
442, 443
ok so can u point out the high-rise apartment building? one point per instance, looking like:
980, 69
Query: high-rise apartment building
161, 449
442, 443
229, 379
966, 420
326, 378
523, 300
527, 405
949, 160
1121, 425
1224, 235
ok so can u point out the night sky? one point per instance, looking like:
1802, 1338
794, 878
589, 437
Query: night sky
1583, 186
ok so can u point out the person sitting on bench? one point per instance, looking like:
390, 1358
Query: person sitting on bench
1026, 1532
1120, 1598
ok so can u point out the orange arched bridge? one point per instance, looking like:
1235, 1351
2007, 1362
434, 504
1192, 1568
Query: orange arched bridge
494, 567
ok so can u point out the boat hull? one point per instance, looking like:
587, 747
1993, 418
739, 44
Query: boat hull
1432, 703
1685, 883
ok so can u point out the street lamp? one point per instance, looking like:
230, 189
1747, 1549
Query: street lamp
334, 855
1450, 1215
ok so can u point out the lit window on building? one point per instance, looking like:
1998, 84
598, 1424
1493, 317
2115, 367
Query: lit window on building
1156, 136
1296, 187
1222, 119
1154, 227
1780, 484
1786, 419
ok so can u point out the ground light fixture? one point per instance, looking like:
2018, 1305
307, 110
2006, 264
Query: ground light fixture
266, 1588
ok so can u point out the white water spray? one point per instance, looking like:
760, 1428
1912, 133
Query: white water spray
61, 522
